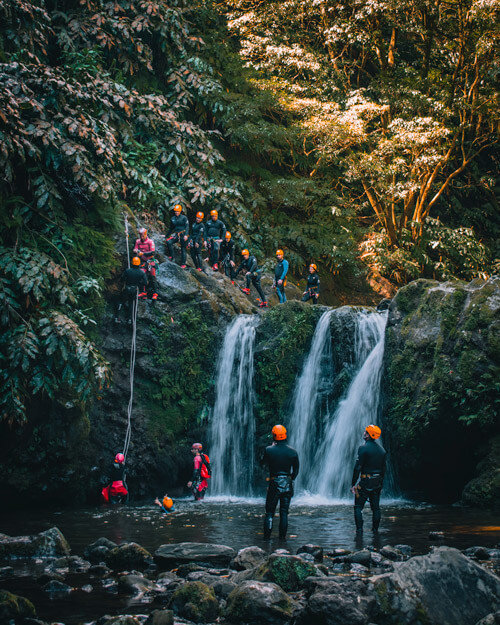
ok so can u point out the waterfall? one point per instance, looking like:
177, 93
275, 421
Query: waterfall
360, 407
305, 420
232, 425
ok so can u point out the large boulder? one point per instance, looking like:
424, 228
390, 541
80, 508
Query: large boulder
196, 602
13, 607
491, 619
128, 556
287, 571
169, 556
248, 558
256, 603
134, 584
43, 545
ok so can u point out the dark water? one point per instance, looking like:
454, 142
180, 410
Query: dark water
236, 523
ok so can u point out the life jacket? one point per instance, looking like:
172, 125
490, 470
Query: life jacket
206, 470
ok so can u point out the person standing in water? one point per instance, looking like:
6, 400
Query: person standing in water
369, 470
201, 472
283, 463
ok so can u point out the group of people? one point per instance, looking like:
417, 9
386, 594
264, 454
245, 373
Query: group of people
283, 464
140, 280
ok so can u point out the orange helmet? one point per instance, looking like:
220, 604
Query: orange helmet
228, 236
200, 215
167, 502
177, 208
245, 252
374, 431
280, 253
313, 266
214, 213
136, 260
279, 432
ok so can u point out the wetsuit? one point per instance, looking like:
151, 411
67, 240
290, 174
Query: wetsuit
200, 484
250, 265
135, 282
195, 243
280, 272
283, 463
214, 230
179, 228
370, 469
117, 490
312, 288
226, 256
148, 264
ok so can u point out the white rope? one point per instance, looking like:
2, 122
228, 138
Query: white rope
135, 306
126, 240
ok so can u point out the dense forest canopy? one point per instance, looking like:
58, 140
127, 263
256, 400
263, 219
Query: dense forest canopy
361, 135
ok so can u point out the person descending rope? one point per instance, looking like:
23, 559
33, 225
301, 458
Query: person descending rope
283, 463
312, 287
226, 256
116, 491
370, 470
178, 233
252, 272
280, 272
201, 472
166, 504
135, 284
196, 240
144, 248
215, 231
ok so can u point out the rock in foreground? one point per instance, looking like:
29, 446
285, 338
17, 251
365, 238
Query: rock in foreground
256, 603
43, 545
168, 556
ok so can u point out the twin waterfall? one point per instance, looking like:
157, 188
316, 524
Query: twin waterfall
326, 430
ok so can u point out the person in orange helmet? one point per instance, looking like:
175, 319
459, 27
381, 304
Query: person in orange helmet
144, 249
178, 233
196, 240
201, 472
215, 231
252, 273
135, 283
369, 470
280, 272
283, 463
312, 287
226, 256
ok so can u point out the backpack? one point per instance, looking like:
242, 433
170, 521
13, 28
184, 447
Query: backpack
206, 470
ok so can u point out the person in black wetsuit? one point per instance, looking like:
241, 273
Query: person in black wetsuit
226, 256
370, 470
312, 287
280, 272
135, 283
283, 463
215, 231
196, 240
252, 272
178, 233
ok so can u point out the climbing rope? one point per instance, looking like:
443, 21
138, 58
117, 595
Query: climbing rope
126, 239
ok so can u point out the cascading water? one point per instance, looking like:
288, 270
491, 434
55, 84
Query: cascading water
232, 425
315, 380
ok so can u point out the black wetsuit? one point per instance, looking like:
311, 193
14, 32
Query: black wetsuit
250, 265
280, 272
179, 228
370, 469
118, 474
214, 230
226, 255
312, 288
196, 241
283, 463
135, 281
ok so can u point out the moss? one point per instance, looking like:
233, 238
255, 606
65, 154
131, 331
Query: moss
196, 602
288, 572
383, 597
14, 607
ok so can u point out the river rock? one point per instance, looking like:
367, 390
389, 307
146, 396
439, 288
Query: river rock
160, 617
391, 553
55, 587
43, 545
73, 564
48, 576
406, 550
363, 557
255, 603
287, 571
478, 553
97, 551
248, 558
124, 619
128, 556
5, 571
169, 556
359, 569
15, 607
222, 586
196, 602
134, 584
99, 570
491, 619
442, 588
315, 550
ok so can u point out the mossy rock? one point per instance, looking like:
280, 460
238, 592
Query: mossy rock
128, 556
196, 602
255, 603
484, 490
289, 572
15, 607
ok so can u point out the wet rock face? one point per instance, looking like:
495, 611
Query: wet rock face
255, 603
168, 556
45, 544
442, 364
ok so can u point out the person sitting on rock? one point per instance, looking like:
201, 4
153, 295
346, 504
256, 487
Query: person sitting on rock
196, 240
117, 491
370, 470
252, 273
280, 272
144, 248
215, 231
312, 287
226, 256
199, 483
178, 233
135, 285
166, 504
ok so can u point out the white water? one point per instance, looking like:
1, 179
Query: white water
305, 421
232, 424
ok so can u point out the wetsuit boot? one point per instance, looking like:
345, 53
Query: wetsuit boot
268, 525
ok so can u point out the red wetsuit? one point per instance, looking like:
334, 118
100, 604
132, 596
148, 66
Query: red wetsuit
200, 484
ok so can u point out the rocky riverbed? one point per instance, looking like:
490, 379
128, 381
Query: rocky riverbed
192, 582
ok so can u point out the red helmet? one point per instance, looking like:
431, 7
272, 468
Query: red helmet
197, 446
119, 458
279, 432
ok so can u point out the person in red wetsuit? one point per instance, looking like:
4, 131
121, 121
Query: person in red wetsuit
199, 483
144, 248
117, 491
